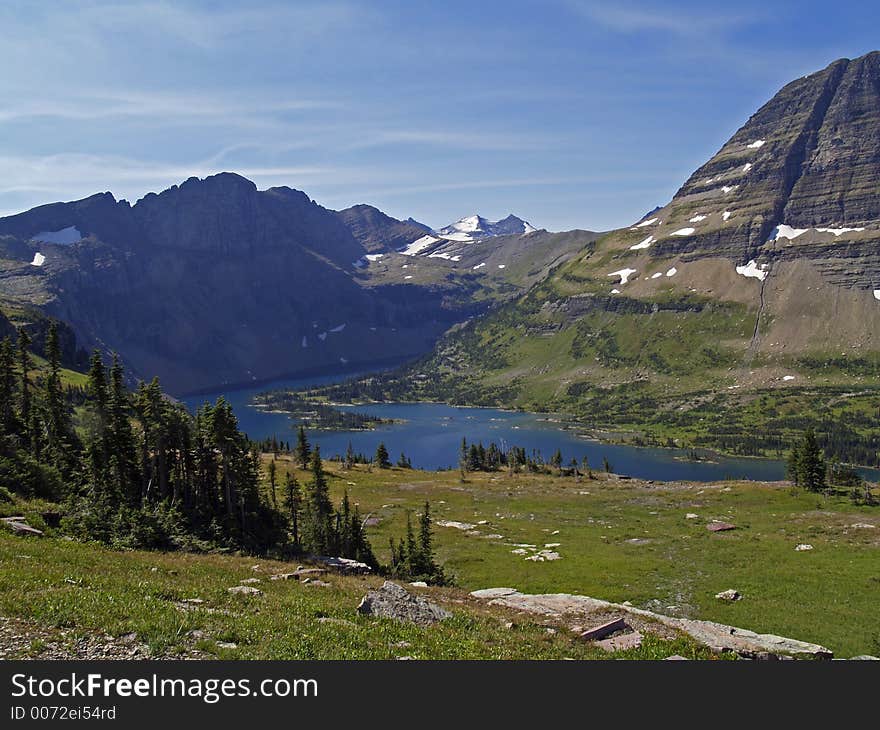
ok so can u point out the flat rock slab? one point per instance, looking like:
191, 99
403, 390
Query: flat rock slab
720, 526
20, 527
717, 637
245, 590
395, 602
603, 630
345, 566
621, 642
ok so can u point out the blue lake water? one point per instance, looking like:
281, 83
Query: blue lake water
431, 433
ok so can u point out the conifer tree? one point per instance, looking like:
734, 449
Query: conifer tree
7, 387
811, 463
303, 451
294, 507
24, 365
272, 469
382, 459
318, 522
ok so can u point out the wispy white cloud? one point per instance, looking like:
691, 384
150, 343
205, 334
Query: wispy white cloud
633, 18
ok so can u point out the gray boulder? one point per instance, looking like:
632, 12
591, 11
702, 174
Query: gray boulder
394, 602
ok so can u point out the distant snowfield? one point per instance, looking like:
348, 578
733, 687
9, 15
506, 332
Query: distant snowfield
747, 167
648, 222
374, 256
697, 218
752, 270
672, 272
789, 232
684, 232
725, 215
39, 259
757, 144
65, 236
729, 188
419, 245
479, 266
644, 244
624, 274
877, 294
444, 255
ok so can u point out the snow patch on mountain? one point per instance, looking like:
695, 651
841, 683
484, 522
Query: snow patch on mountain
39, 259
419, 245
752, 270
624, 274
65, 236
643, 244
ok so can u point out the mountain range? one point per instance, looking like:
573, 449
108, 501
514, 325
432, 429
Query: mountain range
762, 271
214, 281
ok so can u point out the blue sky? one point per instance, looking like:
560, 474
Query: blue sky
569, 113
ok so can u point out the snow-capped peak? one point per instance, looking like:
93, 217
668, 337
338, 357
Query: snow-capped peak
473, 227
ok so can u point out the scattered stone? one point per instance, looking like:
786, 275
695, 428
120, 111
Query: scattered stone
249, 581
638, 541
493, 536
346, 566
863, 526
197, 634
803, 546
194, 601
419, 584
20, 526
692, 516
456, 525
718, 526
316, 582
544, 556
621, 642
245, 590
603, 630
728, 595
864, 658
395, 602
227, 645
405, 658
676, 658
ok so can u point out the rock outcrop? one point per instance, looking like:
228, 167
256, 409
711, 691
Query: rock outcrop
717, 637
395, 602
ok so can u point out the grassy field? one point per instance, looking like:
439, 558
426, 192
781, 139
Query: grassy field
631, 540
87, 591
620, 540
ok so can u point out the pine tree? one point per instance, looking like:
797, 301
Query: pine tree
8, 421
272, 469
318, 522
57, 422
294, 507
382, 459
556, 460
811, 463
120, 438
349, 457
303, 451
24, 365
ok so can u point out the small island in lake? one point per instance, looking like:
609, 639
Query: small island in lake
316, 415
